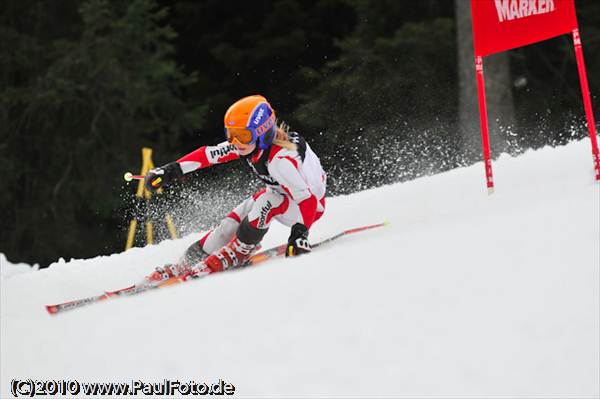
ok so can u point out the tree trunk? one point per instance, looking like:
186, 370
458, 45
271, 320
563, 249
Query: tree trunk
498, 90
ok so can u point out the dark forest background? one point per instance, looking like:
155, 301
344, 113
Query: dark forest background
379, 88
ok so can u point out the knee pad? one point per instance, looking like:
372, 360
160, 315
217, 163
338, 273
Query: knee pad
249, 234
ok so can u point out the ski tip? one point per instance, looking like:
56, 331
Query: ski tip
52, 309
386, 223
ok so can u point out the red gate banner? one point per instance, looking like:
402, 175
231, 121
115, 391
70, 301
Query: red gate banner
500, 25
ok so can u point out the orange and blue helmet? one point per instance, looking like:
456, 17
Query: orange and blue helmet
249, 120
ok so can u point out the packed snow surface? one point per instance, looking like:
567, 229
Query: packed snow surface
463, 295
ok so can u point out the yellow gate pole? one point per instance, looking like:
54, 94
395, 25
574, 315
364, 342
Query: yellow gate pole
171, 226
141, 192
147, 164
147, 156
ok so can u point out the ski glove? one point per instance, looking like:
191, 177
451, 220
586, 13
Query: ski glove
298, 242
158, 177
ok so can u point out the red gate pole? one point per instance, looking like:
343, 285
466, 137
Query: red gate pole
587, 102
485, 138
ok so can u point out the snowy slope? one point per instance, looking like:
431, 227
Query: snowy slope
464, 295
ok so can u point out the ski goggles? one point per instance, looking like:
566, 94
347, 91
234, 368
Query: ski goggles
237, 135
248, 135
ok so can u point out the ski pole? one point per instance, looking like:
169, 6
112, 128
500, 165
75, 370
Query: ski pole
128, 176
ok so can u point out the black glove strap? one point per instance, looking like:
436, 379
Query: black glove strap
298, 231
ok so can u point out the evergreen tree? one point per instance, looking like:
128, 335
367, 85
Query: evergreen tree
78, 120
393, 85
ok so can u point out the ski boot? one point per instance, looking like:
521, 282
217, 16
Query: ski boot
235, 253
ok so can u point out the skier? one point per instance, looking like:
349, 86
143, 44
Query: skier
294, 192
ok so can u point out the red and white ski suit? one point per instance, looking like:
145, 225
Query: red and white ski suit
294, 193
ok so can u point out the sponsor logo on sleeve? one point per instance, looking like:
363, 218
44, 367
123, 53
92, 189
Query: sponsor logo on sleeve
219, 152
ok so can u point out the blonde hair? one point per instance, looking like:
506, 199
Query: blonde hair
282, 139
